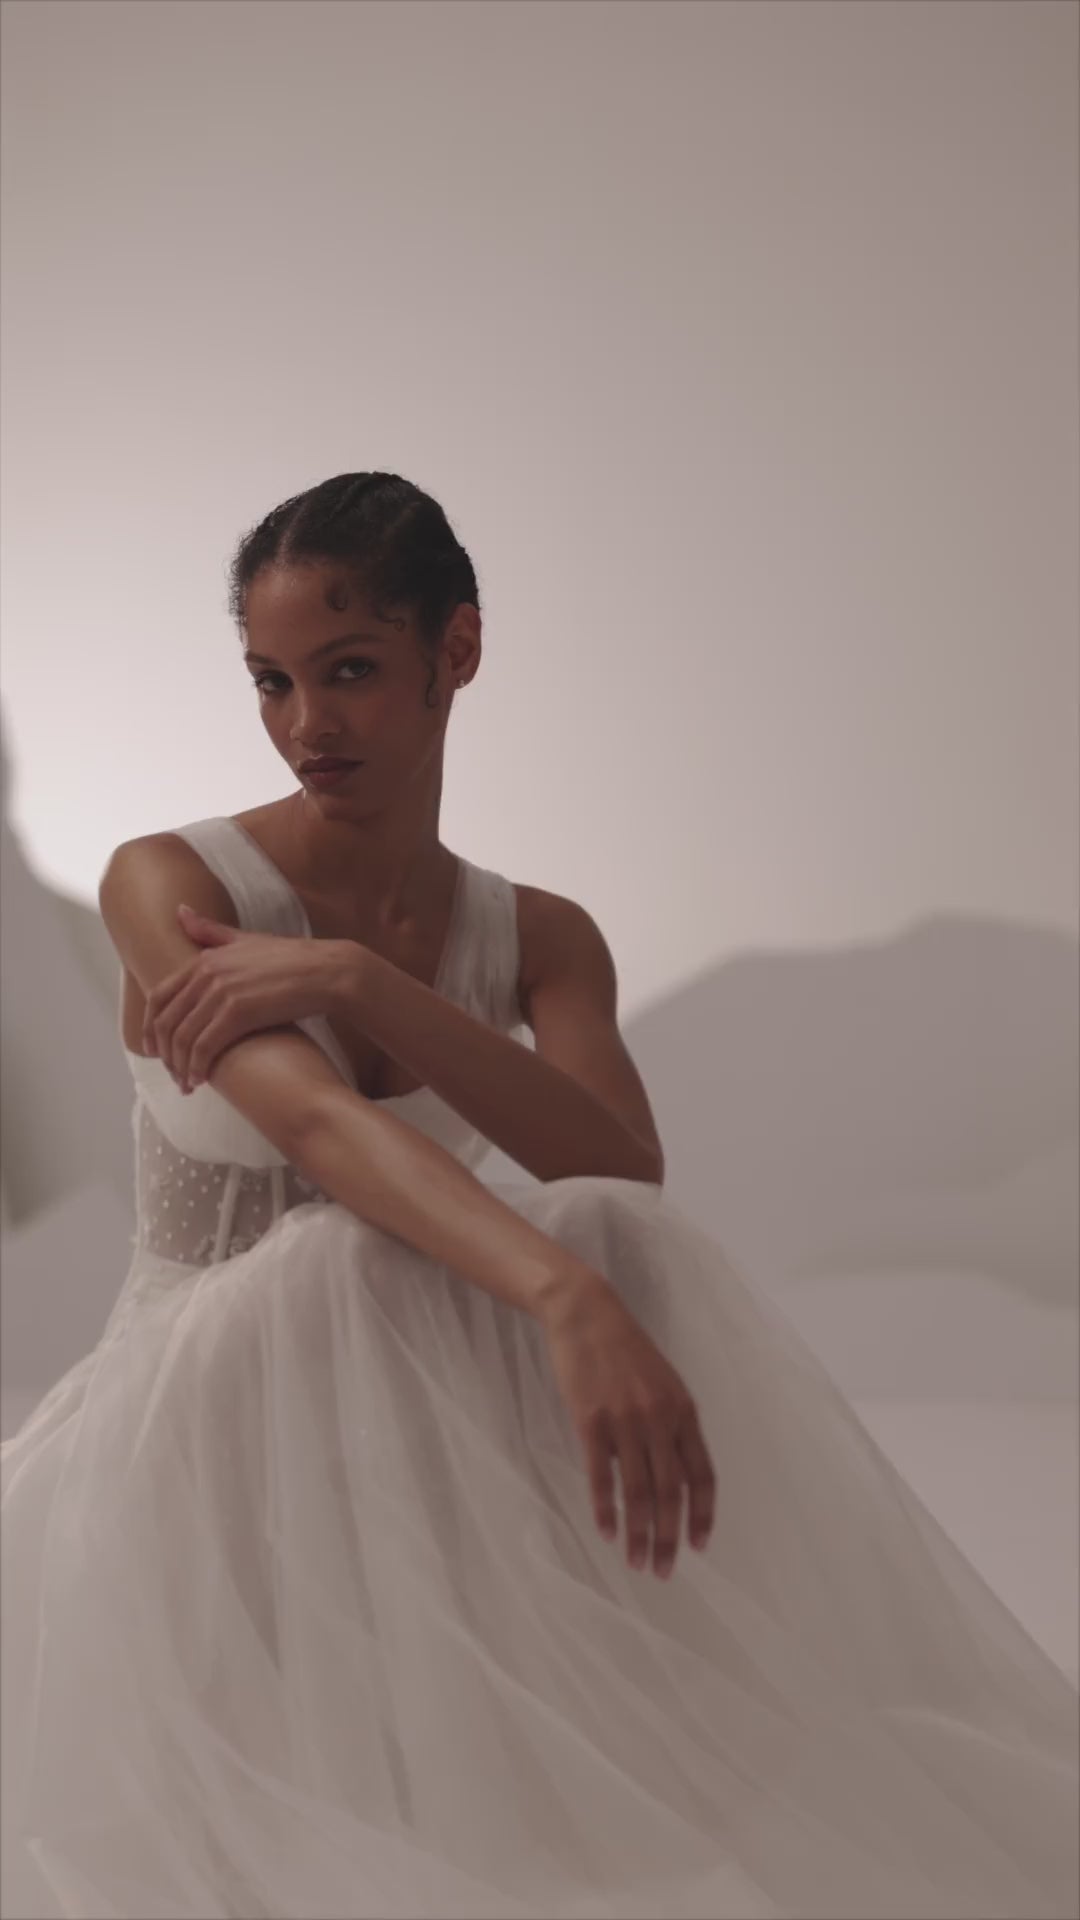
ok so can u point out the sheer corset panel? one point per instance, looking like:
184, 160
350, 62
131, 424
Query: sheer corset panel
198, 1212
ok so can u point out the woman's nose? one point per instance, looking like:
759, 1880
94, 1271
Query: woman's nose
313, 718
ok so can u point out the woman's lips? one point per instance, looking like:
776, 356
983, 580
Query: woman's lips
329, 775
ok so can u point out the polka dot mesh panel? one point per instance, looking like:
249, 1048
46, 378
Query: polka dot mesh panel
198, 1212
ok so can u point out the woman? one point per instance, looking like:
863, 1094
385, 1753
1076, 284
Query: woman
315, 1597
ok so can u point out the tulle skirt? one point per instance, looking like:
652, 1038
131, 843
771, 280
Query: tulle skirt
305, 1612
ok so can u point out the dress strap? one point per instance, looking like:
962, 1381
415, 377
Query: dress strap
263, 898
482, 973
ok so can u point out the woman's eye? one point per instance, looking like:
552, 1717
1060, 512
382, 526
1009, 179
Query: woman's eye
259, 679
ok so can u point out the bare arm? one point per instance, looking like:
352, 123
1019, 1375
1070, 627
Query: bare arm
576, 1104
386, 1172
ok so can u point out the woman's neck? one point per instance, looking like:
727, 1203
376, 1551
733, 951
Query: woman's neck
393, 870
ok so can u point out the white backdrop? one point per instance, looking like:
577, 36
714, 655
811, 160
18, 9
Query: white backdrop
739, 343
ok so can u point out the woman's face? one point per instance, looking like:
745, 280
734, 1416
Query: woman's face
335, 680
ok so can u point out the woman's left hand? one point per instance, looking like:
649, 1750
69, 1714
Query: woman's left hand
240, 983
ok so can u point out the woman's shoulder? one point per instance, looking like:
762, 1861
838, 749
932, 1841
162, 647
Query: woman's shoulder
167, 856
552, 929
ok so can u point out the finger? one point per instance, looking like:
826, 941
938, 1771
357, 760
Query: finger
187, 1034
218, 1034
230, 1016
637, 1487
668, 1473
598, 1454
156, 1002
164, 1021
700, 1479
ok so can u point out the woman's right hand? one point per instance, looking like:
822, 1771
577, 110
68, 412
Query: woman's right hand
628, 1403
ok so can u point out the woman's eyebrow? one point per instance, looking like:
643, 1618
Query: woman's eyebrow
343, 640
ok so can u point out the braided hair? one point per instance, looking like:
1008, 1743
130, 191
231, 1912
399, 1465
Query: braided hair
393, 539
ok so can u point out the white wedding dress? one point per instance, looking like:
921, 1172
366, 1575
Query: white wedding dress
306, 1614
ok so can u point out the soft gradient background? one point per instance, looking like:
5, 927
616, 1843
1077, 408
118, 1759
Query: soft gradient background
739, 342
